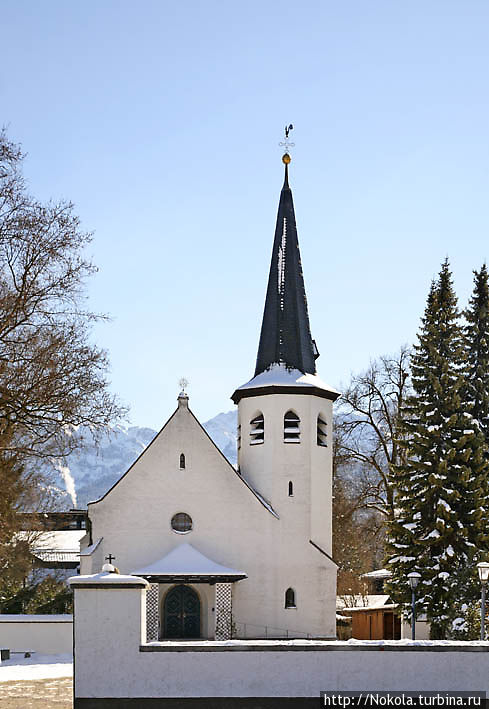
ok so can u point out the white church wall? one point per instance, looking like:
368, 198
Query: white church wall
269, 466
112, 661
44, 634
230, 525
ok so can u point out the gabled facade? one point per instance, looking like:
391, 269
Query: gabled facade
247, 552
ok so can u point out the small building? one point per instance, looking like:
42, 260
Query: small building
376, 621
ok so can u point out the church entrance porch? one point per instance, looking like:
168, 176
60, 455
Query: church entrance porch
181, 613
190, 596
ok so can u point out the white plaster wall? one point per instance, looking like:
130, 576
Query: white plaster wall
49, 635
231, 526
108, 662
270, 465
422, 630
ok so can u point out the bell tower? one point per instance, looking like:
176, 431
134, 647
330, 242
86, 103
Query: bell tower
285, 411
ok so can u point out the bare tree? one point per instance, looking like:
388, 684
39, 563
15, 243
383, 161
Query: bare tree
357, 530
52, 377
368, 428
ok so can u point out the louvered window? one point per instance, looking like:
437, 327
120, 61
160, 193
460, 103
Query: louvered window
322, 432
182, 461
290, 598
239, 437
292, 430
257, 430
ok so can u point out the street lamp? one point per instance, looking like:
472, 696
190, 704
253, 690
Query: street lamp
483, 569
413, 578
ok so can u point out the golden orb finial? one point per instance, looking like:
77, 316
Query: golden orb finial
286, 144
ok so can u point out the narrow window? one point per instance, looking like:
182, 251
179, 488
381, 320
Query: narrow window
290, 598
322, 432
292, 431
182, 461
239, 437
291, 488
257, 431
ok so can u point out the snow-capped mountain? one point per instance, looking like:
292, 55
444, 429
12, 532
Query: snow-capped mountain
88, 474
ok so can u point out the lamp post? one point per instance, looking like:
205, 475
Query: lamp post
483, 569
413, 578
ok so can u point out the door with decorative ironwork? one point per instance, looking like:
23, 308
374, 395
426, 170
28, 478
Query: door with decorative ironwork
181, 613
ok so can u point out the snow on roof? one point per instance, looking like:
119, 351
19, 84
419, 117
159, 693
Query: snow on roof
56, 540
107, 578
359, 602
57, 556
88, 551
332, 644
378, 574
28, 618
280, 375
185, 560
57, 545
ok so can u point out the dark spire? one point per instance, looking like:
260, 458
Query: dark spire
285, 333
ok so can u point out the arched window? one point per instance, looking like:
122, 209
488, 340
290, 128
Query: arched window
182, 461
257, 430
291, 488
290, 598
291, 428
322, 432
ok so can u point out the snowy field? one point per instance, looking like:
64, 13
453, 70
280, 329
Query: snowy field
37, 682
36, 667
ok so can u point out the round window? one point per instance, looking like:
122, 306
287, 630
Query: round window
181, 523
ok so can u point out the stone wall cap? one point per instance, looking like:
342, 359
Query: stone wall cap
315, 645
106, 579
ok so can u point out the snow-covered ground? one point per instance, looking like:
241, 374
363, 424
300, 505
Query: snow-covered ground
36, 667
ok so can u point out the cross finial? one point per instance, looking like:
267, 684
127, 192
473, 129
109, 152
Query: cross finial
287, 144
183, 384
109, 558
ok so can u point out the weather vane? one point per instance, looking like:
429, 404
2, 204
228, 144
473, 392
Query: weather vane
286, 144
183, 384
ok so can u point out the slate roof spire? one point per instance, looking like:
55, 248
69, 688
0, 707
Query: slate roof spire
285, 333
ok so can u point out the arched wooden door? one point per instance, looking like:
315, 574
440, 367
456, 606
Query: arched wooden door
181, 613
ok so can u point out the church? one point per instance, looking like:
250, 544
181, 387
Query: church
246, 552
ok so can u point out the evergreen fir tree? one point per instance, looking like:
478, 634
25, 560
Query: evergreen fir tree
438, 523
476, 384
476, 390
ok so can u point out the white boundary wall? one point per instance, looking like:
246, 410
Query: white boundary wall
46, 634
112, 659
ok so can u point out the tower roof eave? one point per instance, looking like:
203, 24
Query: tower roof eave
280, 379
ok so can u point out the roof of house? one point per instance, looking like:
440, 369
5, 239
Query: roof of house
378, 574
360, 602
55, 546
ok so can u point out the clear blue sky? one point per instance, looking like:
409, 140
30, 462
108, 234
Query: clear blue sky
161, 120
